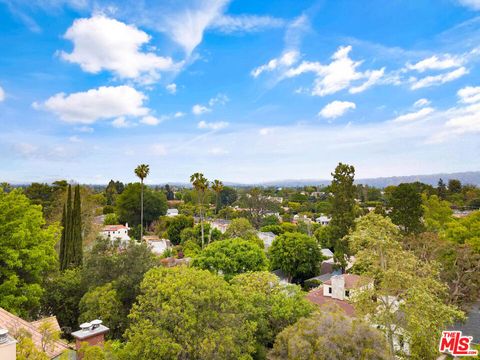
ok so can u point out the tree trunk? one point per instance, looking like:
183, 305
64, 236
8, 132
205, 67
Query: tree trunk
201, 221
141, 213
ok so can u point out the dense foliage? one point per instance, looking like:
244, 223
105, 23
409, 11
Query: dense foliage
231, 257
27, 253
330, 335
296, 254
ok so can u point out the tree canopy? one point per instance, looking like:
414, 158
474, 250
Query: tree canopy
407, 299
296, 254
406, 208
342, 208
231, 257
186, 313
128, 205
27, 253
330, 335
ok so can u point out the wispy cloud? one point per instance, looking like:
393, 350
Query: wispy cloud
212, 125
336, 109
245, 23
435, 80
413, 116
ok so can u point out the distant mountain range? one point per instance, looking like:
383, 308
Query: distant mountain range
470, 177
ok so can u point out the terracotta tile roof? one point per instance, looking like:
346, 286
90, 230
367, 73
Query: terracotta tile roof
351, 281
316, 297
14, 323
114, 227
52, 320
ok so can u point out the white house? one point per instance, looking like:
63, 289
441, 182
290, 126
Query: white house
116, 232
172, 212
323, 220
157, 245
327, 253
220, 225
341, 287
267, 238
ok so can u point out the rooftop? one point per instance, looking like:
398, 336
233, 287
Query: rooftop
114, 227
14, 323
316, 296
351, 280
87, 333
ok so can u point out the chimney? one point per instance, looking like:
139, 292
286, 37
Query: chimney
93, 333
8, 346
338, 287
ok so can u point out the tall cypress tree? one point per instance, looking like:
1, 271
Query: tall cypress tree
343, 209
63, 239
71, 249
77, 229
66, 248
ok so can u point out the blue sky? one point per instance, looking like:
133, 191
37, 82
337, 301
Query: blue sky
244, 91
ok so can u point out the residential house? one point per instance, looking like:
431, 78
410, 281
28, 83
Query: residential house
323, 220
301, 218
220, 224
157, 245
92, 333
116, 232
12, 324
338, 290
267, 238
172, 212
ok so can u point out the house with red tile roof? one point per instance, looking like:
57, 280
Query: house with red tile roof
14, 324
338, 290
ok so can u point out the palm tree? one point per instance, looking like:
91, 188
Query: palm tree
142, 172
200, 184
217, 186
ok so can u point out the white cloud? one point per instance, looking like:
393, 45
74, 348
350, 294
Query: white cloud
101, 43
200, 109
186, 26
287, 59
473, 4
178, 114
467, 121
338, 75
158, 149
212, 125
121, 122
84, 129
469, 94
336, 109
265, 131
171, 88
435, 62
150, 120
434, 80
2, 94
412, 116
220, 99
421, 103
245, 23
106, 102
74, 139
25, 149
217, 151
373, 76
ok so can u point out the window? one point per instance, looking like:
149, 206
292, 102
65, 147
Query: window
329, 289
